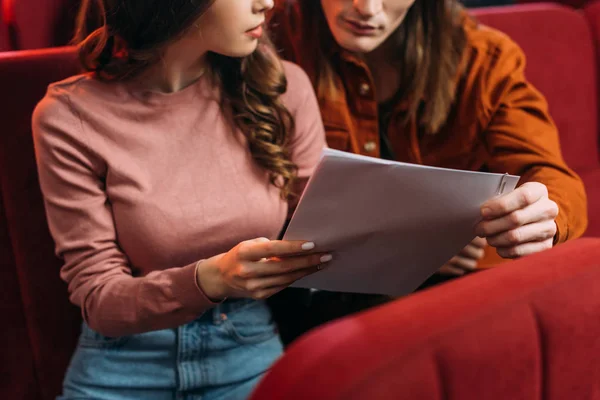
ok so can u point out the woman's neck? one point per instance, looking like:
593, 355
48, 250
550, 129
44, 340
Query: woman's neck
178, 68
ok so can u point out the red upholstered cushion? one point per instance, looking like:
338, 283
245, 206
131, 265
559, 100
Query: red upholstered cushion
570, 3
561, 63
5, 21
592, 14
44, 23
45, 324
528, 330
591, 179
16, 357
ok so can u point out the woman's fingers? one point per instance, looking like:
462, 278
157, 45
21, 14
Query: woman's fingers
266, 293
257, 249
278, 266
261, 288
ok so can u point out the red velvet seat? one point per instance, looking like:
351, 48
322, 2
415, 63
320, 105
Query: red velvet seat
592, 13
561, 63
39, 325
42, 324
6, 23
570, 3
39, 23
525, 331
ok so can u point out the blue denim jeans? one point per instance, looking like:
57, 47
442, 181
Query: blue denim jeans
221, 355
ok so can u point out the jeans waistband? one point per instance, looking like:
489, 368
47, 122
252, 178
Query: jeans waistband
220, 311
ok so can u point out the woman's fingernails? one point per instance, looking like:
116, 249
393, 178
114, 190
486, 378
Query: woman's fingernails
308, 246
326, 258
486, 212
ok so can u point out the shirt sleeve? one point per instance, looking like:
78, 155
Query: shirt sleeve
308, 140
522, 139
80, 218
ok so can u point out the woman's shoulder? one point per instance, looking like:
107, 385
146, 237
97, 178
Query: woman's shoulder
299, 86
76, 89
69, 102
78, 95
296, 76
60, 92
88, 90
57, 100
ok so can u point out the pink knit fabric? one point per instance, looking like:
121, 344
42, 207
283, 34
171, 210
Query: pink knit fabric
139, 186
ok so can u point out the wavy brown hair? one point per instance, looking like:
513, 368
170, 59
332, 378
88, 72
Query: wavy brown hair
119, 39
430, 45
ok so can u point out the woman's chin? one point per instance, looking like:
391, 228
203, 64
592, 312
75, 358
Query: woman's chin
243, 50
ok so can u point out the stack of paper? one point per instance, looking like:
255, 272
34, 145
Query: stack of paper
389, 225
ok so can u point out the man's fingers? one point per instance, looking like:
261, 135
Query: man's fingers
473, 252
464, 263
524, 249
449, 270
257, 249
536, 232
479, 242
539, 211
521, 197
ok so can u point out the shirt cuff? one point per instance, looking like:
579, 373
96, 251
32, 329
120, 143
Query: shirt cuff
562, 229
202, 290
190, 295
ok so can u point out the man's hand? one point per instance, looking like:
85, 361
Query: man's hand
521, 222
467, 260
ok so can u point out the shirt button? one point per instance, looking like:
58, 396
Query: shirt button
370, 146
364, 89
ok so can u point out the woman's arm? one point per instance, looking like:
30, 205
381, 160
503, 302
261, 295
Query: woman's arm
308, 140
80, 217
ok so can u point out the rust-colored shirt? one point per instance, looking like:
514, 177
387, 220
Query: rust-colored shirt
499, 122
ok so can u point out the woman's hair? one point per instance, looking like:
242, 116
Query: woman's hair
119, 39
430, 47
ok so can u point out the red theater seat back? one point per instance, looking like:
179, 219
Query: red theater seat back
43, 325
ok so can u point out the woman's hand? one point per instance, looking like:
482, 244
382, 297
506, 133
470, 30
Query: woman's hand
258, 268
467, 260
521, 222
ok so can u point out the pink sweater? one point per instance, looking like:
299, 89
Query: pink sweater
139, 186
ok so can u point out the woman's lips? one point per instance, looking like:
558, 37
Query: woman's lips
255, 33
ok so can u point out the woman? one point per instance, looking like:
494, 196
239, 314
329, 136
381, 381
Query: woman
165, 170
420, 81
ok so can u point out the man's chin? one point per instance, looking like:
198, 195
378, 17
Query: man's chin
360, 45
